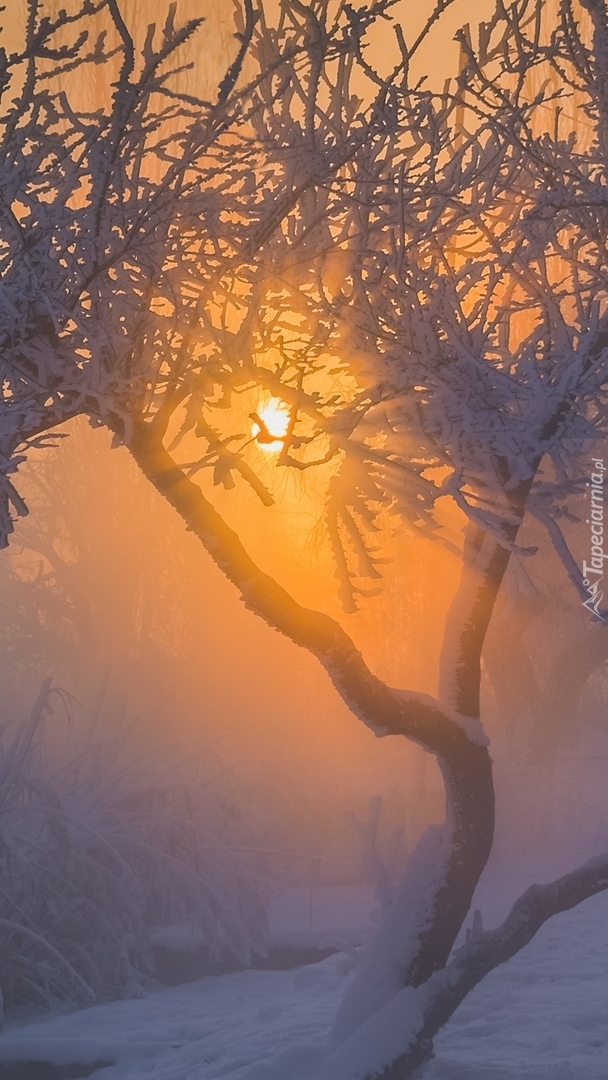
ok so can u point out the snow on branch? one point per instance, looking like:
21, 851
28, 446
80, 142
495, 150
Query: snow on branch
397, 1038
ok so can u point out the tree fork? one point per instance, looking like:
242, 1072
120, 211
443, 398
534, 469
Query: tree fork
465, 764
448, 988
385, 710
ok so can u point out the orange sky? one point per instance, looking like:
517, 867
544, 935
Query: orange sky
278, 723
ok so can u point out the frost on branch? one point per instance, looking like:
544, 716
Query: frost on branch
10, 500
384, 266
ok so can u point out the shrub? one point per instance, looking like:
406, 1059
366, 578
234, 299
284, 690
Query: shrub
99, 850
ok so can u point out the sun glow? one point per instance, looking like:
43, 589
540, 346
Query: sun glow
270, 424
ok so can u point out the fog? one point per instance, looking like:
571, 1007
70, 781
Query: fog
104, 590
190, 738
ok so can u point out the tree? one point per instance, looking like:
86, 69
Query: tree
542, 708
418, 278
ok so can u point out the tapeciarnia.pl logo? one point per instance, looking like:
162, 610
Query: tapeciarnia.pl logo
593, 572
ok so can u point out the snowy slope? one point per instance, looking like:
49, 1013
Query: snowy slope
542, 1016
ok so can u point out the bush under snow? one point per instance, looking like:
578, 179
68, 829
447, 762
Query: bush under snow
98, 852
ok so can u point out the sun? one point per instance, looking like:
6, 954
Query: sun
270, 424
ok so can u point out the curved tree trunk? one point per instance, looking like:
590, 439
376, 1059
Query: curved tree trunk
420, 929
416, 1015
408, 982
485, 562
456, 740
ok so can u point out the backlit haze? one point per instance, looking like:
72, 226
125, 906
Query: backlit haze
126, 610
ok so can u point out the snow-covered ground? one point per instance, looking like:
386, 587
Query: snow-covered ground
542, 1016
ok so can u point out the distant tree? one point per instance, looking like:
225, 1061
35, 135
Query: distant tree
419, 279
542, 706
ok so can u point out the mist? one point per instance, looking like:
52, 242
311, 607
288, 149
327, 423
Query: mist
106, 592
265, 687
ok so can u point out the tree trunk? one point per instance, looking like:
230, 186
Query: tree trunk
423, 921
457, 742
414, 1016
